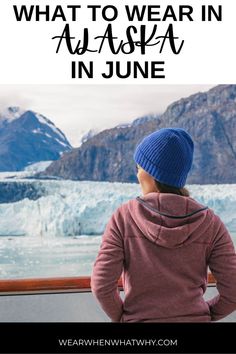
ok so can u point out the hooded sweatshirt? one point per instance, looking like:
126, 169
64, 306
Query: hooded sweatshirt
162, 245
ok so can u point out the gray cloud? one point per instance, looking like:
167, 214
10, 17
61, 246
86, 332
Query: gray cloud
78, 108
14, 99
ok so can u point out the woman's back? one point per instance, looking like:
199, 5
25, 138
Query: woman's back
167, 241
163, 244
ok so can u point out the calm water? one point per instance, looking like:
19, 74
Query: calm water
29, 257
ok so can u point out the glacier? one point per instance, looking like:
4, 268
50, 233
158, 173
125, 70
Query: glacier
75, 208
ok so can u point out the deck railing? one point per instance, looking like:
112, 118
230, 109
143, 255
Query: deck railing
55, 285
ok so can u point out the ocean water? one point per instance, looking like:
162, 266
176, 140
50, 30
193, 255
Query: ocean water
32, 257
59, 234
28, 257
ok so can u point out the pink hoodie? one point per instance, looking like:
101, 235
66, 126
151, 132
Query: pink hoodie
163, 245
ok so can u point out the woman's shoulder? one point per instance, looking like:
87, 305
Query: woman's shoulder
125, 206
124, 210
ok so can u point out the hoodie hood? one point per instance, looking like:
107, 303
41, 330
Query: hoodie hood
170, 220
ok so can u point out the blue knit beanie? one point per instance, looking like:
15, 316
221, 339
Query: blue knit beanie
166, 155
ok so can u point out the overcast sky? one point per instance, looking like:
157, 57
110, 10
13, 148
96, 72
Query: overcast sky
77, 108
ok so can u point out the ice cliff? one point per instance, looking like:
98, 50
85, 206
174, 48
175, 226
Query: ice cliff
69, 208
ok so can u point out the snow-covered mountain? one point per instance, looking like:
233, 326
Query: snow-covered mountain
27, 137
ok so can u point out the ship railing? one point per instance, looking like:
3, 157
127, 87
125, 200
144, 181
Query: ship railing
56, 285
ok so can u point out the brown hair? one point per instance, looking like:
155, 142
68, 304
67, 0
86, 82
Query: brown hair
164, 188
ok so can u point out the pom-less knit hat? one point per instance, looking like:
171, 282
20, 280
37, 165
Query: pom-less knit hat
166, 155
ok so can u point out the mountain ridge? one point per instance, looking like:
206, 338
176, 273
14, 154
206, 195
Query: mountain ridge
210, 117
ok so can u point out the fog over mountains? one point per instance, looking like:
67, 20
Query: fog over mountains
210, 118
